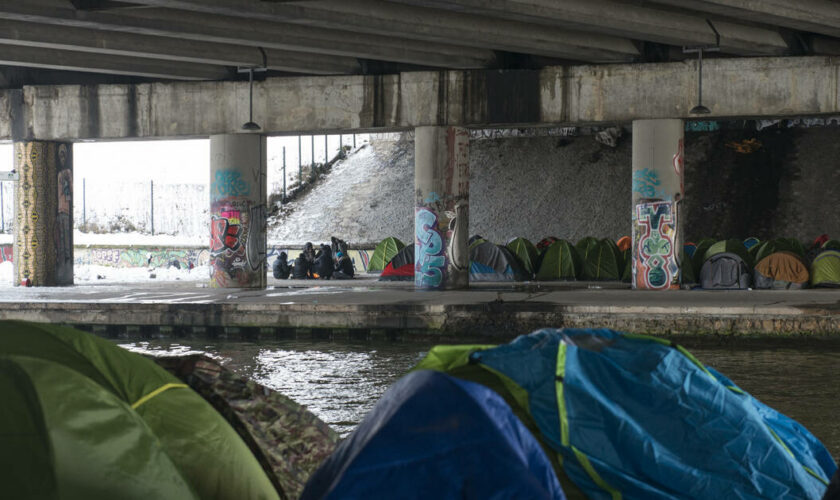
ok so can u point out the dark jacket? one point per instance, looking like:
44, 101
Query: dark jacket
281, 268
323, 263
301, 269
343, 268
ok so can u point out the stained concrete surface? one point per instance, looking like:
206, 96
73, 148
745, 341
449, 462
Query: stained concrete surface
496, 310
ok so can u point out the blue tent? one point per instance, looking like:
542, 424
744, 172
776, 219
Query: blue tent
435, 436
633, 416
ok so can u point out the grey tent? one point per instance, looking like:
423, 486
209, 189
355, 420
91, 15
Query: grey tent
725, 271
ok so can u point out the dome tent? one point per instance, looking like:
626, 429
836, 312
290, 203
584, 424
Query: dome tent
780, 271
560, 261
526, 253
725, 271
383, 253
620, 413
401, 267
131, 430
491, 262
602, 261
825, 270
435, 436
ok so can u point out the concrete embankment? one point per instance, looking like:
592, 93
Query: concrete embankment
365, 309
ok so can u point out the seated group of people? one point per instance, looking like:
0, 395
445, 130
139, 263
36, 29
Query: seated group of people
311, 264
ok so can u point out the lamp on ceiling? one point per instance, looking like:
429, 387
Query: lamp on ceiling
251, 126
700, 109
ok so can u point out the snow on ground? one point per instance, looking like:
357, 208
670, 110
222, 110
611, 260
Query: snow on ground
138, 239
105, 275
362, 200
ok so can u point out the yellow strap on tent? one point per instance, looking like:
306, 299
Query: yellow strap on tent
155, 392
558, 384
593, 474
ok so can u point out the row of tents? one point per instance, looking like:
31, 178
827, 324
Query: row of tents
725, 264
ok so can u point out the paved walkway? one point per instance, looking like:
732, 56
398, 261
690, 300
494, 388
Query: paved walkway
367, 307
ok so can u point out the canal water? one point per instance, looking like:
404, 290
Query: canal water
340, 382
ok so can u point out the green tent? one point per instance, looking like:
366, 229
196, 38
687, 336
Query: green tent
384, 252
700, 252
102, 422
825, 270
831, 245
627, 258
778, 245
560, 262
731, 246
687, 270
586, 245
526, 253
602, 261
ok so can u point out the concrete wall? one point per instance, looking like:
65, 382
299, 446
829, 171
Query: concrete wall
738, 87
571, 187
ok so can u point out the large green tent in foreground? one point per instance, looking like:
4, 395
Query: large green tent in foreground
84, 418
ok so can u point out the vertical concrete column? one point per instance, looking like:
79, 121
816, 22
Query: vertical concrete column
237, 210
43, 246
657, 197
441, 207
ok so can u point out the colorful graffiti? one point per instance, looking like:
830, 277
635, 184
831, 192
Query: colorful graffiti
6, 253
646, 183
42, 233
430, 262
224, 233
64, 218
655, 263
229, 183
141, 257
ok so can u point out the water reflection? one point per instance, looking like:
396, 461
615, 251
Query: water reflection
341, 382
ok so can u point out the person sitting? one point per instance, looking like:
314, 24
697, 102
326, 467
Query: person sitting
281, 268
323, 263
301, 269
343, 267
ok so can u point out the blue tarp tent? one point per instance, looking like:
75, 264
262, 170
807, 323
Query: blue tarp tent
435, 436
637, 417
489, 262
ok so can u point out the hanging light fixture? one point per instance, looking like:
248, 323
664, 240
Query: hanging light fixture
250, 125
700, 109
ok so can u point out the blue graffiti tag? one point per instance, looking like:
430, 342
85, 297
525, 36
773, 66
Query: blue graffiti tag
229, 183
645, 182
428, 247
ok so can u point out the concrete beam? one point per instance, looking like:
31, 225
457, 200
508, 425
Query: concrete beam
624, 20
818, 16
383, 18
165, 48
33, 57
733, 88
185, 25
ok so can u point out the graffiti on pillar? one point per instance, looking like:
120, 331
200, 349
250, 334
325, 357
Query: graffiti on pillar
677, 161
6, 253
224, 233
430, 260
655, 263
255, 250
646, 183
37, 200
229, 183
64, 218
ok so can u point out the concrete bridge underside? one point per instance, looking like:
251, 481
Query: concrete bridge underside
556, 95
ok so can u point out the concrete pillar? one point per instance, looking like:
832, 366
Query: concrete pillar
237, 210
441, 207
43, 246
657, 197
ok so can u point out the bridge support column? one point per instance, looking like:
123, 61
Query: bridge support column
657, 198
43, 238
237, 211
441, 207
